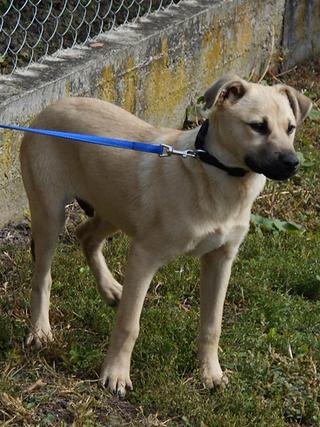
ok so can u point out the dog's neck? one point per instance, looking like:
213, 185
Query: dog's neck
211, 159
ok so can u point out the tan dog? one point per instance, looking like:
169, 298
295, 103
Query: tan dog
168, 206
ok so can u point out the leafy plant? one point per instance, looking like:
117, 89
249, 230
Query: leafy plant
314, 114
303, 162
275, 225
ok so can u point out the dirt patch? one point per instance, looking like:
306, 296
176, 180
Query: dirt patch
15, 233
19, 233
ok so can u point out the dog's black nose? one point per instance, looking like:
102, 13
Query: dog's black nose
289, 160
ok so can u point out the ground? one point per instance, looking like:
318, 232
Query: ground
270, 340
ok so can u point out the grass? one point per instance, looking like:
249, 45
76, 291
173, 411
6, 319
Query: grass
269, 346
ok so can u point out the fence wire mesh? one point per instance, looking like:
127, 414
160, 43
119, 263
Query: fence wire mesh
32, 29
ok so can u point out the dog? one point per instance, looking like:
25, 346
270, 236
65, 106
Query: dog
167, 206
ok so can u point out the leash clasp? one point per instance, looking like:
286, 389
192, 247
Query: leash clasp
168, 150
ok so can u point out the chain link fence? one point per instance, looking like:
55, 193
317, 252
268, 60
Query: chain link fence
32, 29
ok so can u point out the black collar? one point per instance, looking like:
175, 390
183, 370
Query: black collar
206, 157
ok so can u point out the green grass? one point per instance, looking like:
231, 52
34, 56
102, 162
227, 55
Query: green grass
270, 341
270, 344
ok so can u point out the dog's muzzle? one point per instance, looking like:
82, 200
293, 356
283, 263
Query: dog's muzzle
278, 166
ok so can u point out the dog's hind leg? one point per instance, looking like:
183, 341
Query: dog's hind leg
92, 235
46, 225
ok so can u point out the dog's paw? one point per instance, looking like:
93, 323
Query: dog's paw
38, 337
111, 292
213, 376
116, 379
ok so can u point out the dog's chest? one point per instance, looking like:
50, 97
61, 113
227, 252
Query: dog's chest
228, 224
216, 238
212, 241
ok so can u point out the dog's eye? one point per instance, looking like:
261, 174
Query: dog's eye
290, 129
260, 127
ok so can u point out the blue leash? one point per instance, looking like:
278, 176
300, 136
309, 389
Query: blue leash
163, 150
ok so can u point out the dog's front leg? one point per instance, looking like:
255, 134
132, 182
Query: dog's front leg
215, 274
141, 268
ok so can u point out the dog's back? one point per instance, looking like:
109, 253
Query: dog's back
55, 171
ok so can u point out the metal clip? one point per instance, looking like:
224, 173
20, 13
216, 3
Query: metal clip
169, 151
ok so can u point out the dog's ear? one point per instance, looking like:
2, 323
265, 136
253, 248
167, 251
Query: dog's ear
229, 88
299, 103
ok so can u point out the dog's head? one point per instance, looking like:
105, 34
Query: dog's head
256, 124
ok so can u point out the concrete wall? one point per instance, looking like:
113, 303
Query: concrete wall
153, 68
301, 31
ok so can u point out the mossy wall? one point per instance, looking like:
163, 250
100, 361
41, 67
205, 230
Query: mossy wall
154, 68
301, 31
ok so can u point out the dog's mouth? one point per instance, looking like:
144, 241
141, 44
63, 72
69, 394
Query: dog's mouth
278, 166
